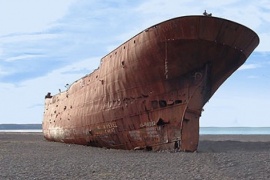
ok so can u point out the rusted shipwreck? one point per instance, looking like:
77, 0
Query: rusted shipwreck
149, 92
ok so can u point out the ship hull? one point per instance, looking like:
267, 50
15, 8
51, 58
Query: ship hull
149, 92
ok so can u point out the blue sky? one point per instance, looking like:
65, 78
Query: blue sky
46, 44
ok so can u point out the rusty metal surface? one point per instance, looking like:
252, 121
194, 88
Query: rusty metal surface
149, 92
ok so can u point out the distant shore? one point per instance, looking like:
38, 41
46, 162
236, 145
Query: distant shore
29, 156
20, 126
203, 130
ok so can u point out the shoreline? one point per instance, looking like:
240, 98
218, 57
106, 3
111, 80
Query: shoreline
203, 130
203, 137
30, 156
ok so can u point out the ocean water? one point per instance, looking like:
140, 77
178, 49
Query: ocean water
203, 130
21, 130
234, 130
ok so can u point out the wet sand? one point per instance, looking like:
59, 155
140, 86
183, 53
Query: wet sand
29, 156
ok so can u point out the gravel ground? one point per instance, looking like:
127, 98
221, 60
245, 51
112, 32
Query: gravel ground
29, 156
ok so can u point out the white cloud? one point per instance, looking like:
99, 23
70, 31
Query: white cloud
253, 14
155, 11
58, 78
30, 15
4, 71
23, 103
253, 77
27, 38
30, 27
249, 66
22, 57
230, 104
264, 42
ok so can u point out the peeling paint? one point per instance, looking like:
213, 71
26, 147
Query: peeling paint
150, 91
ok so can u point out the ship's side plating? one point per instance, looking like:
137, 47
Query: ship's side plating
150, 91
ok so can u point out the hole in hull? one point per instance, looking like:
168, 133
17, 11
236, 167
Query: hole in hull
148, 148
161, 122
162, 103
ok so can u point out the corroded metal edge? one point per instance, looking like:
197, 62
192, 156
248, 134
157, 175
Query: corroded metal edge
149, 92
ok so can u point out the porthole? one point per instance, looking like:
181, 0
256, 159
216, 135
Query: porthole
162, 103
154, 104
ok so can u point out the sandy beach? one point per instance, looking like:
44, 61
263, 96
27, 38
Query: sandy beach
29, 156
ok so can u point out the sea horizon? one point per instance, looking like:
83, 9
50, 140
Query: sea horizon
234, 130
203, 130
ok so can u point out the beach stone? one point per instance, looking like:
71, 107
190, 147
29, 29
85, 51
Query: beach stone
30, 156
